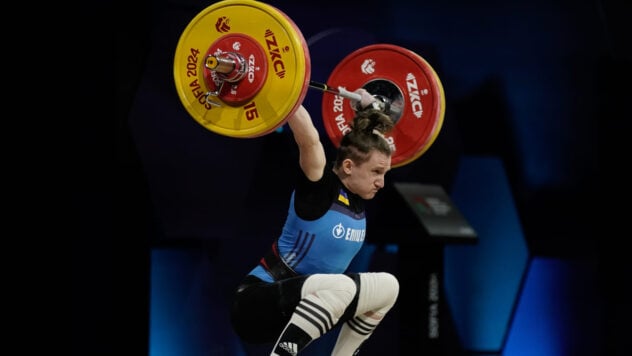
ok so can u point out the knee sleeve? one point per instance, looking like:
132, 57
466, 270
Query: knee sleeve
378, 292
335, 291
324, 299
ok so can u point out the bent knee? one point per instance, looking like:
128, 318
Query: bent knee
337, 290
378, 292
390, 286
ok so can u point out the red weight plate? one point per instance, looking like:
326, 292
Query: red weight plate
420, 100
255, 69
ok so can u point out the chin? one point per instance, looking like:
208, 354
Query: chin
369, 196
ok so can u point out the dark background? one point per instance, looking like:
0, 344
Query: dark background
542, 85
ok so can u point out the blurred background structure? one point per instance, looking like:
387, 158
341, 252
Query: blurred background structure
533, 152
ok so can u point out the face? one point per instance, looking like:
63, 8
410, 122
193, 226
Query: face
367, 178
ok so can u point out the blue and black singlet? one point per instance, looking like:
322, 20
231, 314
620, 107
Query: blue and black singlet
324, 230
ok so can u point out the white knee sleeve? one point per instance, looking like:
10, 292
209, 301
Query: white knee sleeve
335, 291
378, 292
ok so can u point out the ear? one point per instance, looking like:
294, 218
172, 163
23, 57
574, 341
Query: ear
347, 164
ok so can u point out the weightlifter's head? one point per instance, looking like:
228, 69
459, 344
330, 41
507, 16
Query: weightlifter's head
364, 155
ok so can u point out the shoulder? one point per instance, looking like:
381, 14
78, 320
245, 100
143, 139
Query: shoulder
313, 199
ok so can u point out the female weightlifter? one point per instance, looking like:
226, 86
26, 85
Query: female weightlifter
299, 290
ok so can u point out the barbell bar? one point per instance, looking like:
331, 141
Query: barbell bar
242, 67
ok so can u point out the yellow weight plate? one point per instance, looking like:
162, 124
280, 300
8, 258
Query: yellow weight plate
287, 64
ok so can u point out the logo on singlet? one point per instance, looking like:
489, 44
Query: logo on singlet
348, 233
338, 231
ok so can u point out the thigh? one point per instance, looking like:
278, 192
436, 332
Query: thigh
261, 310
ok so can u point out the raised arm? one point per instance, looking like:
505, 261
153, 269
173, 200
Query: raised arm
311, 151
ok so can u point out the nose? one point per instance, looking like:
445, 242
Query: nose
379, 183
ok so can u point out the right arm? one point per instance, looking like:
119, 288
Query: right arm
312, 157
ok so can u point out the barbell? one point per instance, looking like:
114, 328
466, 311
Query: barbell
242, 68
